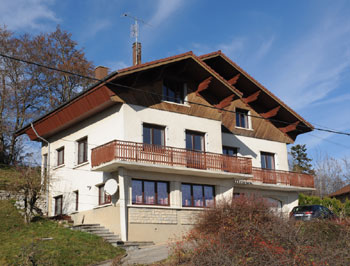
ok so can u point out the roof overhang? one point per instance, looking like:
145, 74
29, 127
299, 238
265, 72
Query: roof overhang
103, 94
264, 102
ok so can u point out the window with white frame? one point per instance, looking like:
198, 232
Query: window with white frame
174, 91
267, 160
60, 156
242, 118
82, 150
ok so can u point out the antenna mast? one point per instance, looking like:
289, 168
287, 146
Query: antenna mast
135, 30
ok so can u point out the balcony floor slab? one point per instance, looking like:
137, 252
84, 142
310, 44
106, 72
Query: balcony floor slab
279, 187
114, 165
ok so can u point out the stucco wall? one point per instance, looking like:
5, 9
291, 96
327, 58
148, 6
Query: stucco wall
251, 147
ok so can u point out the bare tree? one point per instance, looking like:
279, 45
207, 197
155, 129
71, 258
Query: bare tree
27, 90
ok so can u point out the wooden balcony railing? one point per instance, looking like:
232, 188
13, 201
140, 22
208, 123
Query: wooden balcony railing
164, 155
283, 177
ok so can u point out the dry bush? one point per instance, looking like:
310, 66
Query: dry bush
246, 232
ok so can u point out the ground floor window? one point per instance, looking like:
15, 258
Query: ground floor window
150, 192
194, 195
76, 195
103, 197
58, 205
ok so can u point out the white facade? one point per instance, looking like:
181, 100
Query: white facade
125, 122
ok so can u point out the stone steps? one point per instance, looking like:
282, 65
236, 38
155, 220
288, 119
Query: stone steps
98, 230
111, 238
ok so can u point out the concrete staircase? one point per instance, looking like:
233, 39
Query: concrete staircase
115, 240
99, 230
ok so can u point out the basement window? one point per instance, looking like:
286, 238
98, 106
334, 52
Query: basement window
58, 205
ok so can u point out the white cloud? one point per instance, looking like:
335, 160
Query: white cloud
164, 9
26, 14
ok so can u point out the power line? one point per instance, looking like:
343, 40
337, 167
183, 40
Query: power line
160, 95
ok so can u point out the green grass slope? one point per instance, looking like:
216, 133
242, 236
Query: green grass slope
25, 244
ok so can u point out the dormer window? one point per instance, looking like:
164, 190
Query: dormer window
173, 91
242, 118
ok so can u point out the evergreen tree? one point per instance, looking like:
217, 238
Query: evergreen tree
301, 163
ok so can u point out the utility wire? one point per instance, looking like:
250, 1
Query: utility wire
160, 95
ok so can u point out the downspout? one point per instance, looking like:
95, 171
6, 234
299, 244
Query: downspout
47, 168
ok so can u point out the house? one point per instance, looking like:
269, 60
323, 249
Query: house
178, 135
342, 194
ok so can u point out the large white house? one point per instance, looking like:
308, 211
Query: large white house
177, 134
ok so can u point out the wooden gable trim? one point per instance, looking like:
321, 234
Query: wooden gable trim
225, 102
234, 80
290, 127
273, 112
203, 85
251, 98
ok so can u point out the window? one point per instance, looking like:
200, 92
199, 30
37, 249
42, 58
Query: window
150, 192
60, 156
197, 195
58, 205
82, 150
153, 134
45, 163
242, 118
194, 141
76, 195
103, 197
267, 160
173, 91
230, 151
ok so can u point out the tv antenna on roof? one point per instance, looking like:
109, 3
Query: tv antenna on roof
135, 27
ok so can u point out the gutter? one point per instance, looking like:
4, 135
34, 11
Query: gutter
47, 168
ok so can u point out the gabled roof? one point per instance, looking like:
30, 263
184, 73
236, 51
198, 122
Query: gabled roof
342, 191
100, 96
265, 102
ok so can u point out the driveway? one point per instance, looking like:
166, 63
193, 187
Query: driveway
147, 254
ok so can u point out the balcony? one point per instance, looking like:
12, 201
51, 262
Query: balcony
124, 153
285, 178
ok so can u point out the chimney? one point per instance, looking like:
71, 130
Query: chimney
101, 72
136, 53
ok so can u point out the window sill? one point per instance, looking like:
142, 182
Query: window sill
103, 206
181, 104
58, 166
166, 207
80, 165
245, 128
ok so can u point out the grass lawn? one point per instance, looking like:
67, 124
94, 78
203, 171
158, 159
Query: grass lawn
24, 244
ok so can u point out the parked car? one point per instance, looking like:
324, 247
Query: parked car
309, 212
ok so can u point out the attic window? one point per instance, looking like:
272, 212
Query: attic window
173, 91
242, 118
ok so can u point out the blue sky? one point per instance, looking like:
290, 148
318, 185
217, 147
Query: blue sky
300, 50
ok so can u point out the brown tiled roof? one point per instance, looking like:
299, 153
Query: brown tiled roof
343, 190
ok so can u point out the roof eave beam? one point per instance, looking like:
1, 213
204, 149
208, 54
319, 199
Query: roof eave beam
251, 98
290, 127
203, 85
273, 112
225, 102
234, 80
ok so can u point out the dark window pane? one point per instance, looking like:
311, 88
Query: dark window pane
146, 135
136, 191
198, 196
158, 136
267, 160
188, 141
186, 195
162, 190
149, 192
198, 143
173, 91
209, 196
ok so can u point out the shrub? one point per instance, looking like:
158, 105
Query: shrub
247, 232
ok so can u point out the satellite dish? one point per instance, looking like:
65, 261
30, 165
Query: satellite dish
111, 186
